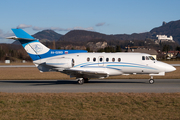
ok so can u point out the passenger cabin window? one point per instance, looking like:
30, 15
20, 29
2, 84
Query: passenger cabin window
113, 59
107, 59
143, 57
94, 59
88, 59
119, 59
100, 59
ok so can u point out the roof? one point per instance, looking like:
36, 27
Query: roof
143, 50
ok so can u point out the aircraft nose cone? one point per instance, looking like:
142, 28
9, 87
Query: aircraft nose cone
173, 68
170, 68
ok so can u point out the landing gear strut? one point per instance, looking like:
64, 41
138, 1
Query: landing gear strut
151, 81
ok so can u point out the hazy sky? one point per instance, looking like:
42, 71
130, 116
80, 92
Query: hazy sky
104, 16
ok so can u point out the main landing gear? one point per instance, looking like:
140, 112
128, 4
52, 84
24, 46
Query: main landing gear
151, 80
82, 80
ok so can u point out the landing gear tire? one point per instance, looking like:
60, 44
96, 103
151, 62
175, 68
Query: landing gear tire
80, 81
151, 81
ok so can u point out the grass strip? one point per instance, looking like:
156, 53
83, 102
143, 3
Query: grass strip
80, 106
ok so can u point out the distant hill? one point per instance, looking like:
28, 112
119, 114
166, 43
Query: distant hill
172, 28
47, 35
84, 36
81, 36
134, 36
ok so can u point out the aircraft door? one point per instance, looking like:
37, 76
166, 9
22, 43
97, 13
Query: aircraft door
101, 61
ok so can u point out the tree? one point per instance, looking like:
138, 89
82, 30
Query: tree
118, 49
88, 49
2, 53
177, 48
166, 48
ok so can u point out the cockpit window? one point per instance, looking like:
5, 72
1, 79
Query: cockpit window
143, 57
147, 58
151, 57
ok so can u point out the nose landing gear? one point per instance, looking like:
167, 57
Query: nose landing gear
151, 80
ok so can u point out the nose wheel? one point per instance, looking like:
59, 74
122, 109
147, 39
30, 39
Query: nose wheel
151, 81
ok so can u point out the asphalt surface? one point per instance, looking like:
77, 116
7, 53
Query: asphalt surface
19, 66
107, 85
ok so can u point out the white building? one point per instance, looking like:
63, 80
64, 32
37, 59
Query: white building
164, 38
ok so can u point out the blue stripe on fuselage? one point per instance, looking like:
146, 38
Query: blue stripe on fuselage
52, 53
113, 65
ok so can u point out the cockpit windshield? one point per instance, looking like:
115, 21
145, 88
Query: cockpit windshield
151, 57
148, 58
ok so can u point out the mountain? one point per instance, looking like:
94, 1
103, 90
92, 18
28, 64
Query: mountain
134, 36
83, 35
172, 28
44, 36
47, 35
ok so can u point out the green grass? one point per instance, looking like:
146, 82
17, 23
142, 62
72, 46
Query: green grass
96, 106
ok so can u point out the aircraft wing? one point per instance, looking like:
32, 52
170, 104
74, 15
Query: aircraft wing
85, 73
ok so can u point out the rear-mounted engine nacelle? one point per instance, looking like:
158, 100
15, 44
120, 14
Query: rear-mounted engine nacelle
61, 63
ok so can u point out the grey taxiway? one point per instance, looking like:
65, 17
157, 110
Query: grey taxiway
94, 85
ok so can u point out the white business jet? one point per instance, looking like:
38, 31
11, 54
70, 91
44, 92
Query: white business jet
83, 65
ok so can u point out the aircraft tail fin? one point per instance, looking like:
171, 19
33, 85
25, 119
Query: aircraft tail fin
37, 50
33, 47
22, 34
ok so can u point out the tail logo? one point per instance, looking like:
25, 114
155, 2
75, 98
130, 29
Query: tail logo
38, 48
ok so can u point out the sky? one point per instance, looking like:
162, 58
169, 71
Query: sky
104, 16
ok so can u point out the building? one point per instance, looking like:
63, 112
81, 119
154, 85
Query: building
152, 52
164, 38
171, 54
